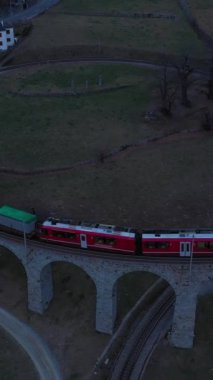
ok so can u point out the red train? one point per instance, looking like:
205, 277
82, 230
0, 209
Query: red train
127, 240
108, 238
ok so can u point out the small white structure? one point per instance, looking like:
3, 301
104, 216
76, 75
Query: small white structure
7, 37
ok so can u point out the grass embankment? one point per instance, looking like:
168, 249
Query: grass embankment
83, 35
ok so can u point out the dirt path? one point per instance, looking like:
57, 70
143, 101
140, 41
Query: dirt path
166, 138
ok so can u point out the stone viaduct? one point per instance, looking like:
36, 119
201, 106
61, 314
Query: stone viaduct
187, 281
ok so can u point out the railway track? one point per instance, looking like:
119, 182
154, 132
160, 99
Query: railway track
183, 261
143, 337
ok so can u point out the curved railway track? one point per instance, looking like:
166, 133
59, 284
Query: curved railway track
129, 350
143, 337
107, 256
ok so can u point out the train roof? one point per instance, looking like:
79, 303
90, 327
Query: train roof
13, 213
90, 227
126, 231
178, 234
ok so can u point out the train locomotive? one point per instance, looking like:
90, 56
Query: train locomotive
109, 238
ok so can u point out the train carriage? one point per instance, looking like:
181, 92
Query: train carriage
183, 243
109, 238
17, 221
88, 235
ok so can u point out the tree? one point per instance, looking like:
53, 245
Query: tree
167, 92
203, 36
210, 81
184, 73
206, 123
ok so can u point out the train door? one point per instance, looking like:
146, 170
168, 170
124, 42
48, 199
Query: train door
138, 245
185, 249
83, 239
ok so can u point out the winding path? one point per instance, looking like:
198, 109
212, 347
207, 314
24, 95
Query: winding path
31, 12
44, 361
102, 158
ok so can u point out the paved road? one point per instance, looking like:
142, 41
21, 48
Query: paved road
27, 14
44, 361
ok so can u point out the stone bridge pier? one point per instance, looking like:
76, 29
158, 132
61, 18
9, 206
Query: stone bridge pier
182, 333
40, 288
187, 281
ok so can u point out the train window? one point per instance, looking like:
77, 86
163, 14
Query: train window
99, 240
102, 240
162, 244
157, 244
58, 234
109, 241
150, 244
65, 235
69, 235
44, 232
205, 245
201, 244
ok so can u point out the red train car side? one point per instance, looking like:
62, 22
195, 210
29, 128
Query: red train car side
114, 239
109, 238
88, 236
183, 244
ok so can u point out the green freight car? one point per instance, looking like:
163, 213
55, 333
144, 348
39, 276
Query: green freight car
17, 220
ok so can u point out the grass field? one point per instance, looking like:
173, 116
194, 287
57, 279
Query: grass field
130, 188
135, 5
165, 36
86, 33
32, 126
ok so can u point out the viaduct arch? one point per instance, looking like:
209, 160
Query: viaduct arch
185, 280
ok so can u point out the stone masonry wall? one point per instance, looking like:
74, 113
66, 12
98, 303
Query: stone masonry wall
187, 283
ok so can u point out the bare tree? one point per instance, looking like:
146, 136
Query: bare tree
167, 92
206, 123
202, 35
210, 81
184, 74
